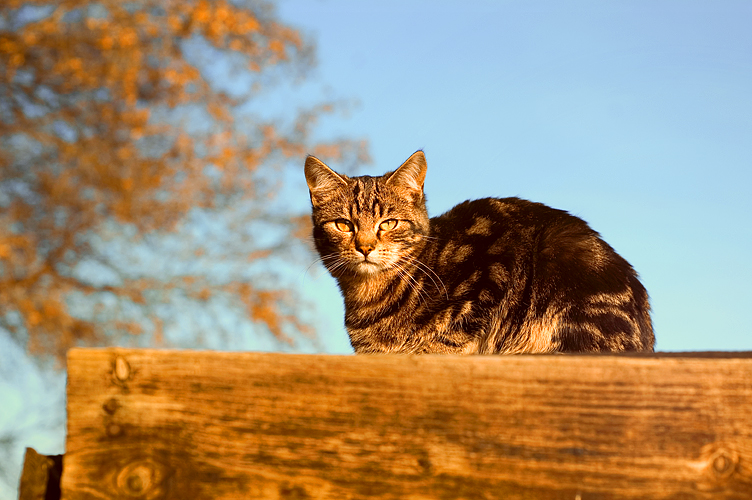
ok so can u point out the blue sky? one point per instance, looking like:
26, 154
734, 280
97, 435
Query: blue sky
636, 116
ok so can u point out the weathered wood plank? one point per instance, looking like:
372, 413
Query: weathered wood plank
40, 478
182, 424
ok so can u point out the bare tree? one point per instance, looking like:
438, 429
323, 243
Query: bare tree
136, 180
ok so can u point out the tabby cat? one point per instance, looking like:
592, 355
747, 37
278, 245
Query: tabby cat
489, 276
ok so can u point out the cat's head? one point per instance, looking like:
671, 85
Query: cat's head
366, 225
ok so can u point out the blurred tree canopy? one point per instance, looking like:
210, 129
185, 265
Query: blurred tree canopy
120, 137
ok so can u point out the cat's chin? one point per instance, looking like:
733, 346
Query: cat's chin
369, 268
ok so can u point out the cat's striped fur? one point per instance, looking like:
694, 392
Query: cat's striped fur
489, 276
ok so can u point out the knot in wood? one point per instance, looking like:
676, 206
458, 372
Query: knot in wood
114, 430
111, 406
723, 463
122, 369
141, 479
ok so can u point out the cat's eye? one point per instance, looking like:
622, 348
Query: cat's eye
343, 225
388, 225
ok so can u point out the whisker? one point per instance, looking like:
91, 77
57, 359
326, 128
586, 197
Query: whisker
334, 266
429, 272
331, 262
411, 282
315, 261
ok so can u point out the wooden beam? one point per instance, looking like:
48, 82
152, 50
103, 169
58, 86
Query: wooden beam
40, 478
185, 424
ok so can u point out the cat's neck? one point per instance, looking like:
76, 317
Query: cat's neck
377, 291
367, 289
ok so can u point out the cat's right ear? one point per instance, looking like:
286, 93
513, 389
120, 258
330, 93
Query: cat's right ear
322, 180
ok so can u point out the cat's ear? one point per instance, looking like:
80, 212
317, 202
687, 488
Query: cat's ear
411, 174
322, 180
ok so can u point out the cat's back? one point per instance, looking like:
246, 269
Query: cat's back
529, 257
513, 211
517, 232
493, 224
511, 240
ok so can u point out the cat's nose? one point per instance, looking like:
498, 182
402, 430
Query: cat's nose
366, 248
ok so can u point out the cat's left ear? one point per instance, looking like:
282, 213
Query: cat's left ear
411, 174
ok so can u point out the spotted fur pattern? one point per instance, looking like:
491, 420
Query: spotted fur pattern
488, 276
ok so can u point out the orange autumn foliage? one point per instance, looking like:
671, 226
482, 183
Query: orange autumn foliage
87, 139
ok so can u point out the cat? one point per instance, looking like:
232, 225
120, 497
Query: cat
505, 276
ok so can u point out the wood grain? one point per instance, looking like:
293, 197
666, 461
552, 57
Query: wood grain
40, 478
185, 424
